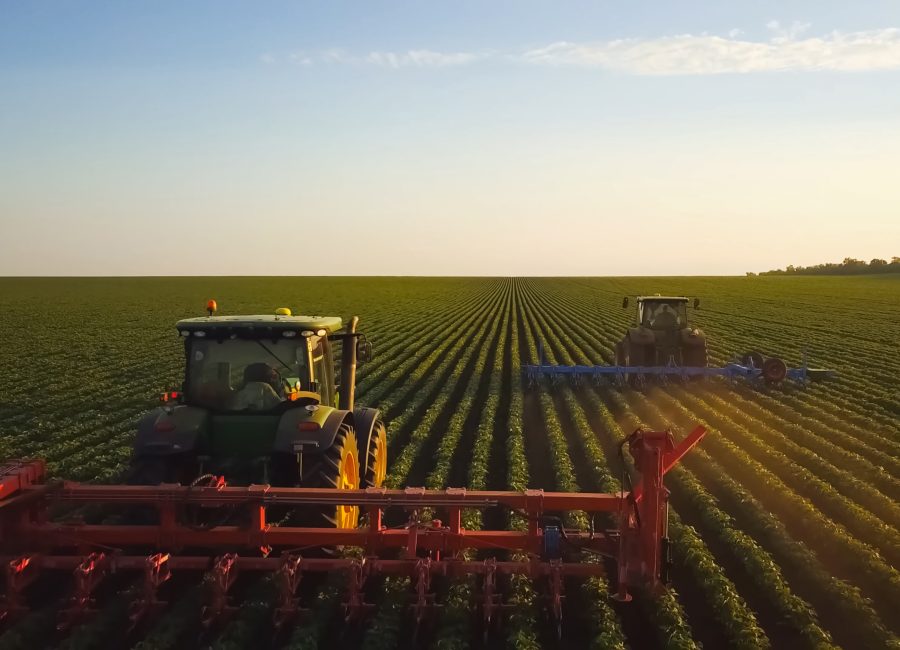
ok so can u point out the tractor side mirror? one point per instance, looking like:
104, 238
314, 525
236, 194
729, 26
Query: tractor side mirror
625, 302
363, 350
696, 303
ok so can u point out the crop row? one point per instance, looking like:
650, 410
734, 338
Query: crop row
852, 487
581, 342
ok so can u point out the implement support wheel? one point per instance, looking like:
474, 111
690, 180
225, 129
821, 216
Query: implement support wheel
774, 370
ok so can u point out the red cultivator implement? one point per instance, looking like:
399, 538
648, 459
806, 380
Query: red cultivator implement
32, 542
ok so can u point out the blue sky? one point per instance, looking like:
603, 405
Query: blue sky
503, 138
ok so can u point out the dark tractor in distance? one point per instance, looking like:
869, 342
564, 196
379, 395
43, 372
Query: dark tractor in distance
661, 335
262, 403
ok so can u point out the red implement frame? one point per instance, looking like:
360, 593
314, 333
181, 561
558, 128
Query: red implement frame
31, 543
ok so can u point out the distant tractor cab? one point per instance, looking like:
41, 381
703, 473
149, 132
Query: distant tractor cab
262, 403
661, 335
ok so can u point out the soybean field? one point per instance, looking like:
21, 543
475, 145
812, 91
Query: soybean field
784, 520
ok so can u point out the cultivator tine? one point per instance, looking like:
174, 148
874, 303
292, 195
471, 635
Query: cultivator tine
290, 573
491, 599
220, 580
424, 598
87, 576
156, 572
20, 573
556, 594
418, 551
356, 607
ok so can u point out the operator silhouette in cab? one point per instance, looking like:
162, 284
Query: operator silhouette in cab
261, 389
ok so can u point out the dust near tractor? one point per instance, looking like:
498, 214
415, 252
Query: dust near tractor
265, 424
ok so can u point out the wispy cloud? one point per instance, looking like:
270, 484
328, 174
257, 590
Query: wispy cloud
704, 54
422, 58
786, 48
407, 59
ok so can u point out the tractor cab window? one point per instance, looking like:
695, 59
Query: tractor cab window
239, 374
663, 314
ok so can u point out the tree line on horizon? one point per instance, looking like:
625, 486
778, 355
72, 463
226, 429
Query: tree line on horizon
850, 266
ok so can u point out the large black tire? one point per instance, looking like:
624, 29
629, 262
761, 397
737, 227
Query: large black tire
336, 467
636, 355
376, 464
621, 358
695, 356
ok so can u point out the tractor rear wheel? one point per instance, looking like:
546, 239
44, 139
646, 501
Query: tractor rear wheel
636, 355
376, 465
695, 356
336, 468
631, 354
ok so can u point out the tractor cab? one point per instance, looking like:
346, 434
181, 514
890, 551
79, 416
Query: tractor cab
263, 402
661, 335
662, 312
258, 364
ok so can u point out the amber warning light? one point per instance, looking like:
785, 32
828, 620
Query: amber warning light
211, 307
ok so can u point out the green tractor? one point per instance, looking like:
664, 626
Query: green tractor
661, 335
261, 403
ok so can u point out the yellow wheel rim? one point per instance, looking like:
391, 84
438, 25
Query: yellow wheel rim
380, 456
348, 479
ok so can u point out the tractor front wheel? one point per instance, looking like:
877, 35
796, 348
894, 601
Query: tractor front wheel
336, 468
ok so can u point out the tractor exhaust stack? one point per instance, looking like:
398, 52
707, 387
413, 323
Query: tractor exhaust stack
348, 367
